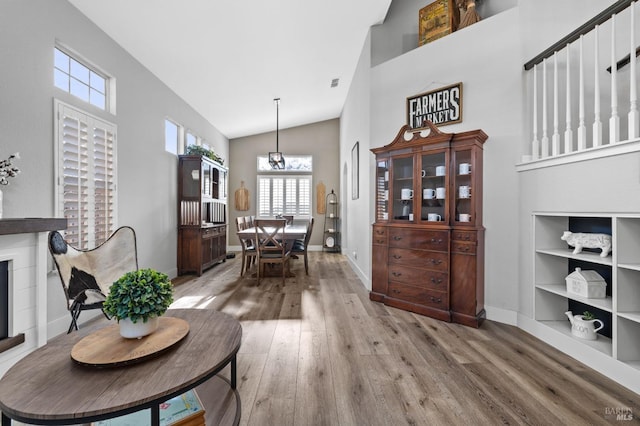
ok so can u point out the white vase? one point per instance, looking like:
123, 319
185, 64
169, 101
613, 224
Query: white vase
131, 330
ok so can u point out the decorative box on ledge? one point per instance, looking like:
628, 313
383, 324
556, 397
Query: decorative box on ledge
589, 284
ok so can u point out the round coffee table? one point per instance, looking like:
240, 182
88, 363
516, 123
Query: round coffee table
48, 387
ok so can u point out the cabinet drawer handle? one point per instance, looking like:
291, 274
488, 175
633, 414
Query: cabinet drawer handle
436, 281
436, 261
465, 248
396, 256
379, 231
396, 274
434, 240
380, 241
436, 299
395, 237
464, 237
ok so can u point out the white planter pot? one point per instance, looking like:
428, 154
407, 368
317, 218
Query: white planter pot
131, 330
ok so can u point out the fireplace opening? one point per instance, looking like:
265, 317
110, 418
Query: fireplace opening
4, 300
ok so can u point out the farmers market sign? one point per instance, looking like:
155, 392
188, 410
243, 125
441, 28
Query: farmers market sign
441, 106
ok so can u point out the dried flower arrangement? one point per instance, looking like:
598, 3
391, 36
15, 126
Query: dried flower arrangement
7, 169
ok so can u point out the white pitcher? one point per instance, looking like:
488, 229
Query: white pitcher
582, 328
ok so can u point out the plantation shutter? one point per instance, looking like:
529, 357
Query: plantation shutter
290, 195
86, 174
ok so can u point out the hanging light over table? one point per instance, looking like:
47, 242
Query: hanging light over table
276, 159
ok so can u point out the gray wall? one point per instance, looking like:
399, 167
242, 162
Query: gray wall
321, 140
147, 178
399, 32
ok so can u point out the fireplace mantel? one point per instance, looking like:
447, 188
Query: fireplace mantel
23, 242
31, 224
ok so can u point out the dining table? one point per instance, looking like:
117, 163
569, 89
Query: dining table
289, 234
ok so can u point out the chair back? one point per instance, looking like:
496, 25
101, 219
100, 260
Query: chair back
83, 272
307, 236
269, 237
241, 223
288, 218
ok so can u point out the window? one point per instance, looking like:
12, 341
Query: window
76, 78
284, 194
293, 163
86, 175
171, 137
191, 139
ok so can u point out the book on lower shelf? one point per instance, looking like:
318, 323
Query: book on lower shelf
182, 410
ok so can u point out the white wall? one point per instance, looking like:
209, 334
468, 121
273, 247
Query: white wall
147, 174
358, 214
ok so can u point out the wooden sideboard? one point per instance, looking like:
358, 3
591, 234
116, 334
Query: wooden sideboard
428, 238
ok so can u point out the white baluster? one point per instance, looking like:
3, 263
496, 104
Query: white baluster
597, 125
634, 116
582, 129
545, 137
535, 144
568, 133
555, 139
614, 120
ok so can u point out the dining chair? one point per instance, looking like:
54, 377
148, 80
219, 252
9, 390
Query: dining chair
271, 250
86, 275
288, 218
248, 247
301, 246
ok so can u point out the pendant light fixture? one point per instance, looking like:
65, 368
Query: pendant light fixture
275, 158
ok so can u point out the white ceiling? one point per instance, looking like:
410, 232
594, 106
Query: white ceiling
229, 59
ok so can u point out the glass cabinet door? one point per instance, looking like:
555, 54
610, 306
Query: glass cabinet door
206, 180
382, 190
402, 190
464, 211
433, 194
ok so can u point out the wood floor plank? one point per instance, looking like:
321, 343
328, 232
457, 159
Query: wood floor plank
318, 351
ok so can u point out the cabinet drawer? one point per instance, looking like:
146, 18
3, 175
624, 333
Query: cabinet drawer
420, 239
418, 277
460, 247
471, 236
380, 235
421, 258
418, 295
213, 232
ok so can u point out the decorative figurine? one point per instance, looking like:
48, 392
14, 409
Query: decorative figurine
581, 240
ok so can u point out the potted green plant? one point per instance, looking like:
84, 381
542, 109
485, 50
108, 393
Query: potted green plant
200, 150
137, 300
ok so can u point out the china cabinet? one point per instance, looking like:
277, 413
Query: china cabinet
331, 241
428, 238
202, 218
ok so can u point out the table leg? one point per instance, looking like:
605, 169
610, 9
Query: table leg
155, 415
233, 372
6, 421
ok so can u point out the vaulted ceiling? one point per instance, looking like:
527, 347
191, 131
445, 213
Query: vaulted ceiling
230, 59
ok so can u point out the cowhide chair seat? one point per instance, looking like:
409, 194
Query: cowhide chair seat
87, 275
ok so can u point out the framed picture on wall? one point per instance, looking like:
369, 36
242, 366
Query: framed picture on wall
436, 20
355, 171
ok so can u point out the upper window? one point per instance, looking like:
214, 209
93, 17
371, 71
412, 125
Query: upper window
76, 78
171, 137
292, 163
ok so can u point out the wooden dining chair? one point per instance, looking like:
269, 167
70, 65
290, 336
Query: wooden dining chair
271, 250
288, 218
248, 247
301, 246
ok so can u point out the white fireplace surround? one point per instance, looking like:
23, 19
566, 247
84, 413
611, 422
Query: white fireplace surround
26, 254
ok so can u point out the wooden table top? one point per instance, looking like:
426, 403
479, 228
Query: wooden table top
290, 232
47, 386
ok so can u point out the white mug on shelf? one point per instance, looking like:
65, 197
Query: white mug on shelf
434, 217
464, 217
428, 193
440, 193
440, 171
406, 194
464, 168
385, 216
386, 175
423, 173
385, 195
410, 216
464, 191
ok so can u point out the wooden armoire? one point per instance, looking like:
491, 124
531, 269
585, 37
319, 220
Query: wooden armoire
428, 238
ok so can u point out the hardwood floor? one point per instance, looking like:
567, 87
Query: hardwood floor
316, 351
